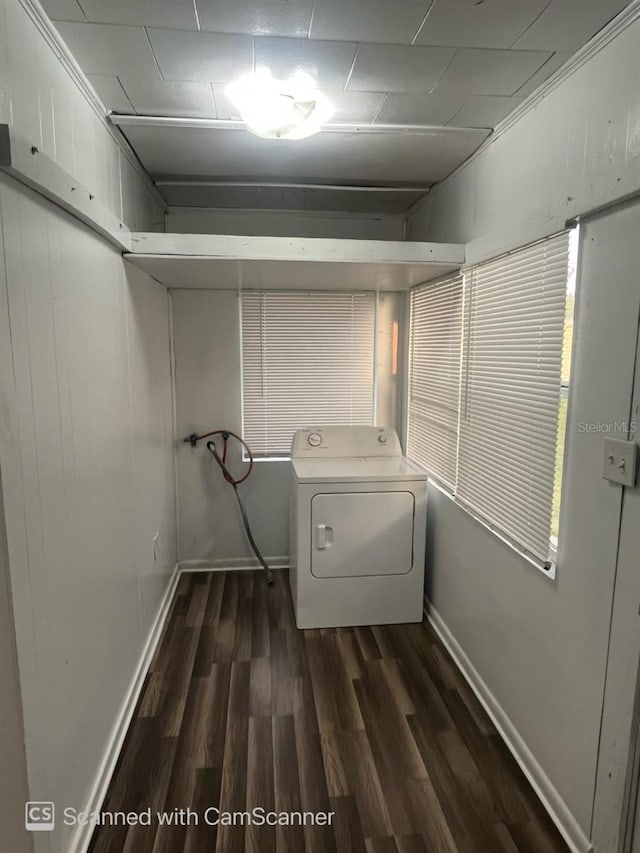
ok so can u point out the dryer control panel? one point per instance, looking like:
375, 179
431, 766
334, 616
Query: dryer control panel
344, 441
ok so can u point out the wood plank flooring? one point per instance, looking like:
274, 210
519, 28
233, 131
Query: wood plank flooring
375, 724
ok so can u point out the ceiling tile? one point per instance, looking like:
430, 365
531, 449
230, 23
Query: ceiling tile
438, 108
484, 111
63, 10
543, 73
111, 93
492, 72
368, 20
566, 25
354, 107
257, 17
110, 50
467, 23
178, 14
170, 97
198, 57
398, 68
328, 61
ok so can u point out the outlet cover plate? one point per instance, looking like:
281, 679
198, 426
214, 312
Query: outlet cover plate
620, 460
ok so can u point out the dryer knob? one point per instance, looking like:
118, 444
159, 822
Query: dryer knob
382, 438
314, 439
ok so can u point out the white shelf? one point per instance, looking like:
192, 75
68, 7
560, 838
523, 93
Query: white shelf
225, 262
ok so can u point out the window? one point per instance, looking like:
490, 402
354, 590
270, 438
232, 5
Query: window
434, 377
565, 381
509, 398
307, 359
489, 377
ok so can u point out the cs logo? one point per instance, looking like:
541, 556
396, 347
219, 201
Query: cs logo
39, 817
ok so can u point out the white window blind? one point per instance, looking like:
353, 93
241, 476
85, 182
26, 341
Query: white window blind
434, 377
511, 370
307, 359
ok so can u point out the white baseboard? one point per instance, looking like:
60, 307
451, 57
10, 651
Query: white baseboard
542, 785
232, 564
82, 836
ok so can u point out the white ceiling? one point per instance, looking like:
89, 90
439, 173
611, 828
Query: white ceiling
450, 63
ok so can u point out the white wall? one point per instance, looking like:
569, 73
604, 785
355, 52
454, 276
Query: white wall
540, 646
207, 374
285, 223
87, 466
208, 392
44, 106
624, 645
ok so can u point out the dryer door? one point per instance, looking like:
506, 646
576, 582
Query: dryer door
361, 533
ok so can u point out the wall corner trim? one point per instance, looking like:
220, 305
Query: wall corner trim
82, 837
628, 16
48, 31
542, 785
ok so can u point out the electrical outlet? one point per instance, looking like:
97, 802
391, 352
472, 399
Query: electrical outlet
620, 461
156, 547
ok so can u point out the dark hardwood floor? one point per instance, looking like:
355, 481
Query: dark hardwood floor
241, 710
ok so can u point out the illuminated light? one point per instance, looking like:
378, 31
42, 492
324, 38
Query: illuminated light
280, 109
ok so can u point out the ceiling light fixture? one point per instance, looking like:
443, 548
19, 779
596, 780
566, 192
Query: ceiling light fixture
280, 109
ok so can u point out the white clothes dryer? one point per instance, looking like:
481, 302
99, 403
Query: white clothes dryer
357, 529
